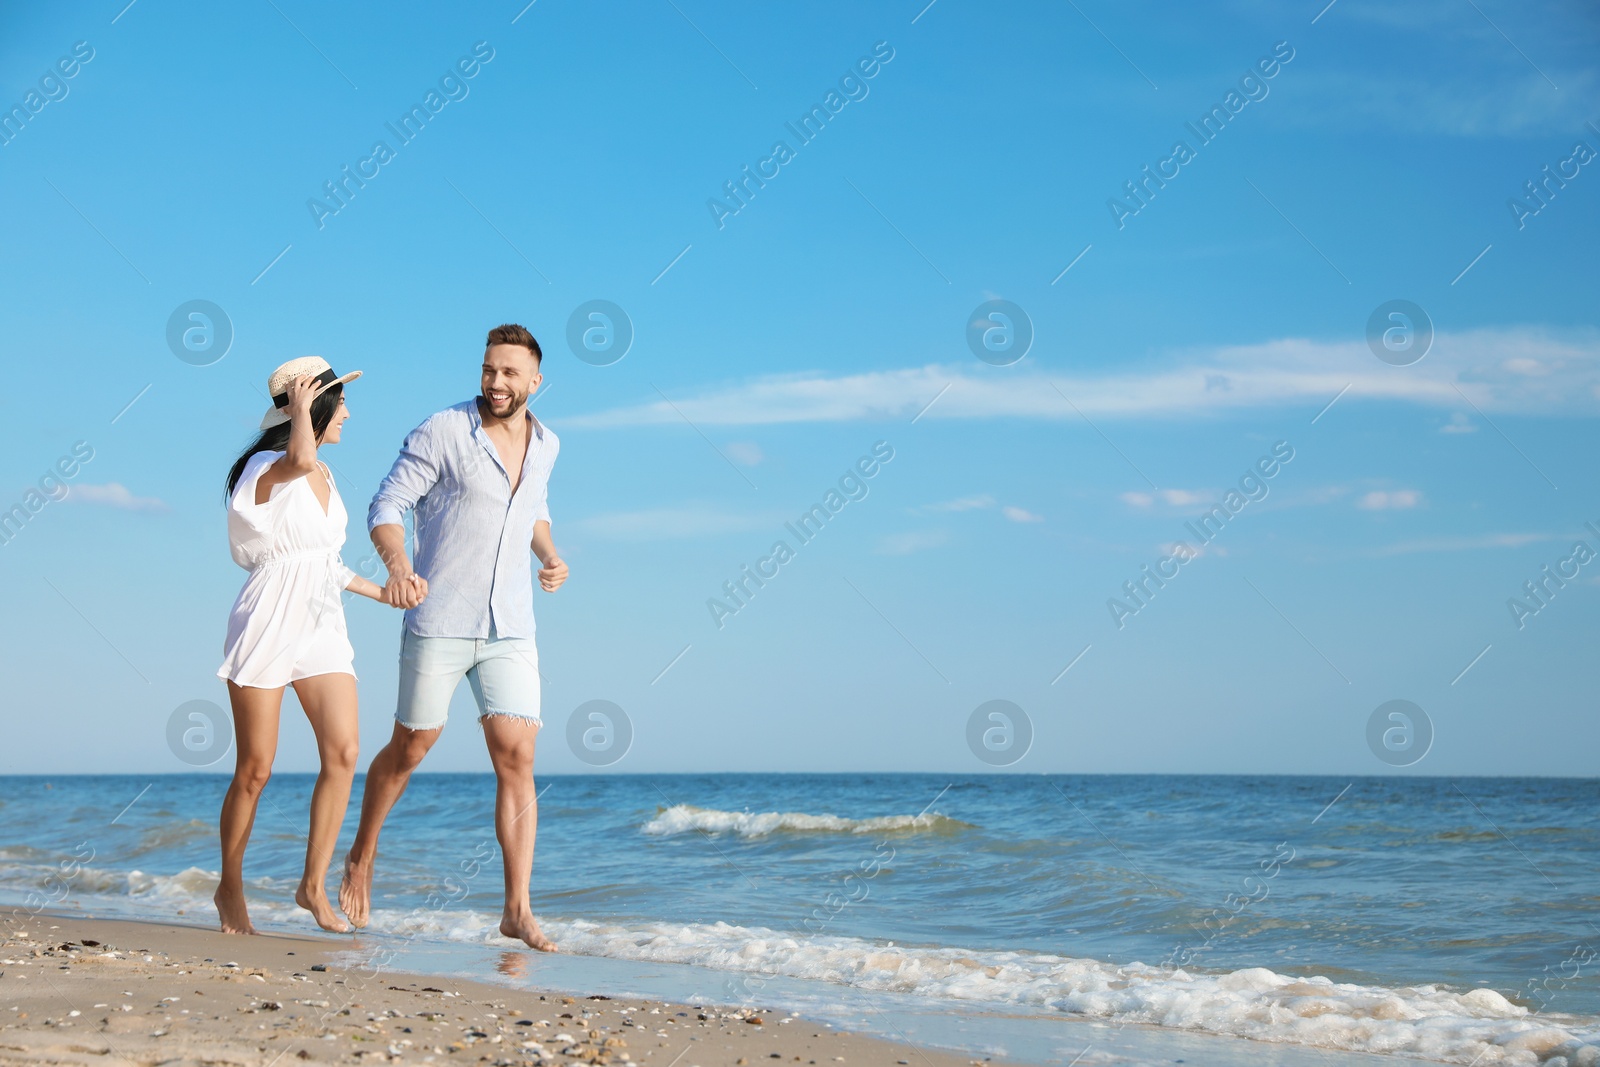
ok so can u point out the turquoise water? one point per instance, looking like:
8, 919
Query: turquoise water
1447, 919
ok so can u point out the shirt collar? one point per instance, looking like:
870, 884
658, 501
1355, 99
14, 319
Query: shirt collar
477, 419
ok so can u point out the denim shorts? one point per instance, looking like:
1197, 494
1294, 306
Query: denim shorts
503, 673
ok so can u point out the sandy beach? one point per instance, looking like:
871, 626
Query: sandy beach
92, 991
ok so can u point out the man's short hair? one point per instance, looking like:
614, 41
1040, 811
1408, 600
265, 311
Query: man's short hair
512, 334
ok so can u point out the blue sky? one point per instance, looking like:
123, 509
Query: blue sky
770, 352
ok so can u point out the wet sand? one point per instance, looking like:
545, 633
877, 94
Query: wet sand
77, 990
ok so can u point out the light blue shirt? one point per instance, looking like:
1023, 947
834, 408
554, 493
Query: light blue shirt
473, 534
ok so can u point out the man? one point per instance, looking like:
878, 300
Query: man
477, 477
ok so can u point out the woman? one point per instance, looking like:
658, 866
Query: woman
286, 525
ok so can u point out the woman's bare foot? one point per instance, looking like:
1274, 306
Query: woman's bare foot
526, 928
232, 911
355, 891
312, 897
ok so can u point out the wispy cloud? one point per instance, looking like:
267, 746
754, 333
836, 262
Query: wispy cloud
1463, 544
1518, 104
1171, 548
1178, 498
1016, 514
1390, 499
747, 453
903, 544
680, 523
966, 503
115, 495
1494, 368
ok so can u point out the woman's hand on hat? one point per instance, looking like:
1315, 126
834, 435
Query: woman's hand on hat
302, 391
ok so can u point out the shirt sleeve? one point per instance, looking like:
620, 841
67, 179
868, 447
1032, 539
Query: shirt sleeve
415, 471
541, 512
344, 574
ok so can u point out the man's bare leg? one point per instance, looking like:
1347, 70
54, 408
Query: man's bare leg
386, 781
516, 820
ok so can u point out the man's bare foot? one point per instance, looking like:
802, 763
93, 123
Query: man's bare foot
232, 911
355, 891
314, 898
526, 928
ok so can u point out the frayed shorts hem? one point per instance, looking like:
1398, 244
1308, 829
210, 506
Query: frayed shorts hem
503, 673
513, 715
418, 727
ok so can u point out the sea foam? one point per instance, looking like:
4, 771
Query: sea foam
1477, 1026
685, 818
1430, 1021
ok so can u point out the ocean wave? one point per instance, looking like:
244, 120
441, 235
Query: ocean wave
123, 892
684, 818
1429, 1021
1478, 1026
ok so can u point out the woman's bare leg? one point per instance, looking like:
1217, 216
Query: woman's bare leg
255, 733
330, 704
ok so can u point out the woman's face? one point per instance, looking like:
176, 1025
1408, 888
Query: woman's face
330, 436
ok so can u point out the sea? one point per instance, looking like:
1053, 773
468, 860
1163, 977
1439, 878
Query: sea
1061, 919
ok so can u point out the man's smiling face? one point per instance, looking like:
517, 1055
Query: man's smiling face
510, 376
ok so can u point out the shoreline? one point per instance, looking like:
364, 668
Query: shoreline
77, 990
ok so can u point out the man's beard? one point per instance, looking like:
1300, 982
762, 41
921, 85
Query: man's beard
517, 401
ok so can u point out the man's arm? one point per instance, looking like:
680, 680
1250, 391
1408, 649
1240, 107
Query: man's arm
405, 588
415, 472
554, 571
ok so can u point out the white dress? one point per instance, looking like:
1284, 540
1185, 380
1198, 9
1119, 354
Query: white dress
288, 622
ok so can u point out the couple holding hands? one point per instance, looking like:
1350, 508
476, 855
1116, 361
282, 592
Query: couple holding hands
476, 477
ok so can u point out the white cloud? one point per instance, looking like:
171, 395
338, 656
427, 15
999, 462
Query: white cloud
747, 453
1525, 365
115, 495
1172, 548
1279, 373
966, 503
1177, 498
903, 544
1390, 500
672, 523
1463, 544
1519, 103
1459, 423
1020, 514
1326, 494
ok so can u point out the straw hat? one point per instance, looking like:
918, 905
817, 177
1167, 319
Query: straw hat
278, 383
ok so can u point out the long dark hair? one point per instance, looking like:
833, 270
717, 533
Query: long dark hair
277, 438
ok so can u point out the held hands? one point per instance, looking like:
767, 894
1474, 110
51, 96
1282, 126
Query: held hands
553, 574
405, 590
